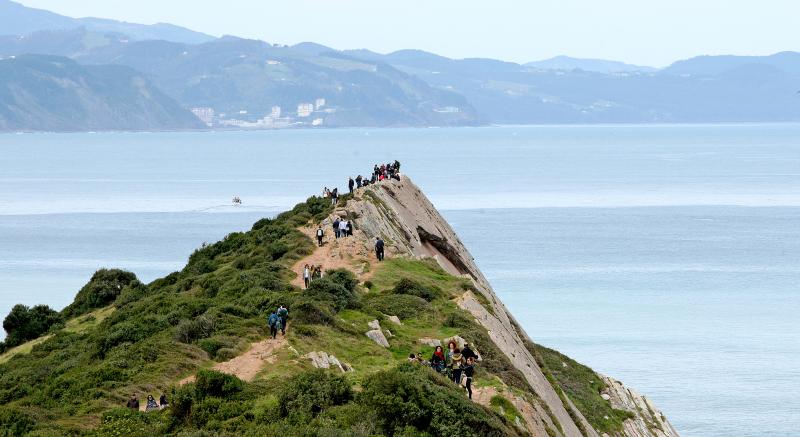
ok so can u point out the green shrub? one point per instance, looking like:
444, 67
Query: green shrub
305, 331
414, 399
101, 290
401, 305
190, 330
129, 423
326, 289
343, 277
216, 384
213, 345
15, 423
308, 394
23, 323
311, 312
414, 288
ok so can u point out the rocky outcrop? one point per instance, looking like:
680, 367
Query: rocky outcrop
399, 212
322, 360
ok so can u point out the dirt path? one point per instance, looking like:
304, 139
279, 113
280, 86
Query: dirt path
247, 365
353, 253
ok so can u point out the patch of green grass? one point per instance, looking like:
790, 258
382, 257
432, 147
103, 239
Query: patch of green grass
505, 408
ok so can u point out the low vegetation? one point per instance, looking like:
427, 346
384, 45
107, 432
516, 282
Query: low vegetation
121, 337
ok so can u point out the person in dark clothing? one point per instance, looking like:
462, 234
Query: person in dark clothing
437, 360
320, 234
351, 184
349, 228
273, 324
336, 228
133, 403
358, 181
379, 248
468, 353
151, 404
469, 371
162, 401
283, 313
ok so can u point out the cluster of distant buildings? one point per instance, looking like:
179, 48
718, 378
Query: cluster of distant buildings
307, 114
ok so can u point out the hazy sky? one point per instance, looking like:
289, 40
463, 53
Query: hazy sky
647, 32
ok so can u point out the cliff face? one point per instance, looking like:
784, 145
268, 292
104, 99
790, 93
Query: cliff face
400, 213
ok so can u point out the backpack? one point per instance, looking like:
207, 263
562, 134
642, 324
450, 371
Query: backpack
319, 232
283, 312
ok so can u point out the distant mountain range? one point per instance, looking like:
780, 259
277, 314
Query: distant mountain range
16, 19
234, 82
595, 65
49, 93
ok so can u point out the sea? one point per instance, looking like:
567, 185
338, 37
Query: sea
666, 256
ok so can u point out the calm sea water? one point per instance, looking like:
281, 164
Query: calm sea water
665, 256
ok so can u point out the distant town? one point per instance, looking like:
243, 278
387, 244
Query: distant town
304, 115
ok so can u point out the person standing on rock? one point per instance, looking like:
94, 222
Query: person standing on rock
379, 248
343, 228
273, 324
283, 314
320, 234
335, 196
349, 228
351, 184
469, 371
306, 276
336, 227
358, 181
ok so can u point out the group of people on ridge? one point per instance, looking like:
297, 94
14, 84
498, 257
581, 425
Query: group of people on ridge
380, 172
311, 272
457, 364
133, 403
277, 321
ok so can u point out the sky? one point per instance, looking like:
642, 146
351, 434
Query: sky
645, 32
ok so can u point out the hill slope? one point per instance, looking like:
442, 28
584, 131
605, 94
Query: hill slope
356, 325
17, 19
56, 94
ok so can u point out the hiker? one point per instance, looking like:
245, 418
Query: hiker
151, 404
336, 223
326, 193
306, 276
358, 181
469, 353
413, 359
451, 347
273, 324
469, 371
283, 314
422, 360
349, 228
133, 403
396, 165
457, 364
343, 228
351, 184
279, 326
379, 248
335, 196
162, 401
320, 234
437, 360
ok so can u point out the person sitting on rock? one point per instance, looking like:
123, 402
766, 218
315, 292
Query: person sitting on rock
437, 359
133, 403
151, 404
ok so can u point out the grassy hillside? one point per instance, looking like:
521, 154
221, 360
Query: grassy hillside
49, 93
122, 337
